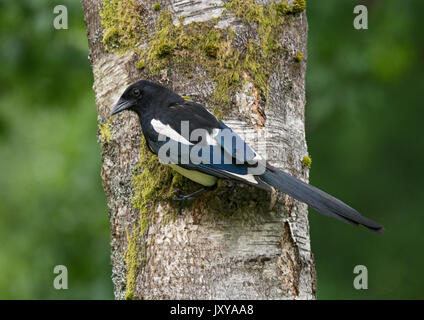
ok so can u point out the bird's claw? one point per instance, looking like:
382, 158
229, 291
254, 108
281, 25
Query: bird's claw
181, 198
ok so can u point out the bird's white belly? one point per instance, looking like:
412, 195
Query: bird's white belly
196, 176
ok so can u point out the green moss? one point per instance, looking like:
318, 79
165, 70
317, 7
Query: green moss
156, 6
298, 6
266, 17
132, 263
217, 112
161, 45
282, 7
184, 47
122, 25
155, 182
163, 49
234, 201
261, 56
307, 161
152, 184
141, 65
211, 49
298, 57
105, 132
200, 44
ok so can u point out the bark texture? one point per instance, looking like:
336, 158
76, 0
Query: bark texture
242, 251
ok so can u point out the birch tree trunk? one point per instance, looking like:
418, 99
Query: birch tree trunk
246, 62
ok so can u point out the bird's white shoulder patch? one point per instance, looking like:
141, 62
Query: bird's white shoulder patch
211, 137
247, 177
167, 131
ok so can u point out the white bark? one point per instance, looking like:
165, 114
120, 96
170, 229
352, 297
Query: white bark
200, 255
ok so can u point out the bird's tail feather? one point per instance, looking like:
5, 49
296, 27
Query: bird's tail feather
317, 199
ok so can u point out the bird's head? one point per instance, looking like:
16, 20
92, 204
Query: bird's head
142, 95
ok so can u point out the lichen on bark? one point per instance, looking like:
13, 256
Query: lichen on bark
122, 24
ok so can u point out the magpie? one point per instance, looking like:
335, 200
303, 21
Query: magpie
192, 141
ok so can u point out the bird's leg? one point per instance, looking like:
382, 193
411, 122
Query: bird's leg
182, 199
194, 195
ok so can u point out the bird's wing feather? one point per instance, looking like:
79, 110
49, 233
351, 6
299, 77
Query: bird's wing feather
196, 115
219, 150
215, 131
211, 159
316, 198
233, 144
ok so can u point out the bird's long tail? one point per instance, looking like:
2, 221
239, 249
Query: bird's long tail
317, 199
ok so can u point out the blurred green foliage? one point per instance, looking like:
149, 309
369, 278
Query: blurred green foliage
364, 131
52, 206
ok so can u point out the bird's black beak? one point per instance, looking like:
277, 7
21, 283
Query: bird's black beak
122, 104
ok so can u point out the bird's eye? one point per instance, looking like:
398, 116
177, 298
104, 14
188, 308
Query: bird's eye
136, 92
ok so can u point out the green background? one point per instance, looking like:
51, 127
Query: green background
364, 132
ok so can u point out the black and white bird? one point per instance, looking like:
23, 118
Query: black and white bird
196, 144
